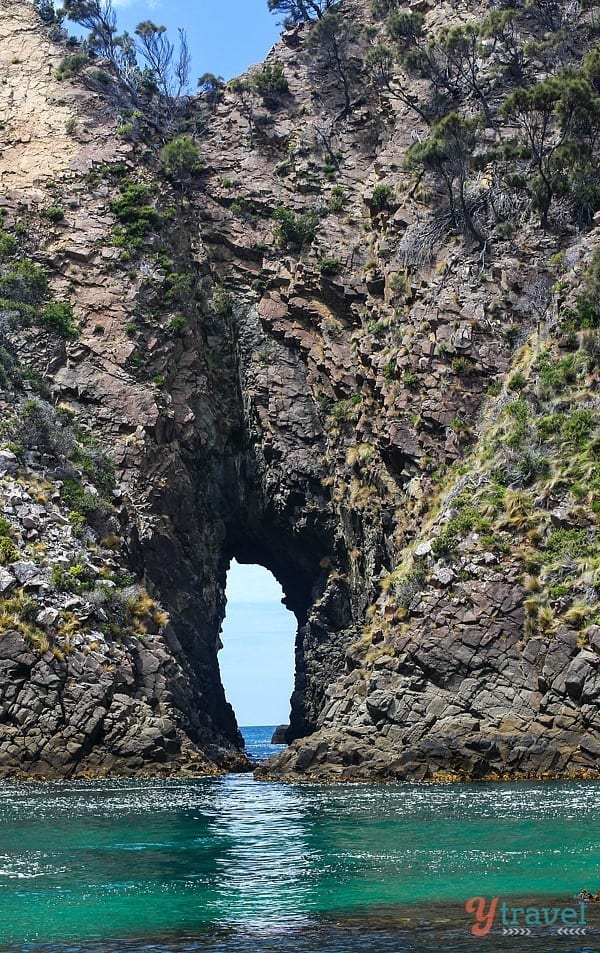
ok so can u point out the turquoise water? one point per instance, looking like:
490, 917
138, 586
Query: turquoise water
258, 743
232, 864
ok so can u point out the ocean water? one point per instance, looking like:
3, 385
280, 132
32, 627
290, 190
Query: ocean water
231, 865
258, 743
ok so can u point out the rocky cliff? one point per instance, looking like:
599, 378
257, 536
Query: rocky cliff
352, 345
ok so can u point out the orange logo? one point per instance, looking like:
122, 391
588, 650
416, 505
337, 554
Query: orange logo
484, 918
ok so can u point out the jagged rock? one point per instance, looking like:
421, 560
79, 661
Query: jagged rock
27, 573
7, 581
280, 735
444, 575
8, 462
47, 617
299, 420
561, 518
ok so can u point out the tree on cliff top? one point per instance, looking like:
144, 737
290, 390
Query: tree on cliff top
298, 11
331, 42
170, 72
150, 61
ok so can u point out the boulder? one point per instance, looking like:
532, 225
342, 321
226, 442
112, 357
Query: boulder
280, 735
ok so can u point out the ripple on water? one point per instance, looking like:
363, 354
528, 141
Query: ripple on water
232, 864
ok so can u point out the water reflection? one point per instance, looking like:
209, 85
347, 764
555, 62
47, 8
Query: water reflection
265, 865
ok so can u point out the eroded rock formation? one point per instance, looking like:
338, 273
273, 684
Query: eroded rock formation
319, 409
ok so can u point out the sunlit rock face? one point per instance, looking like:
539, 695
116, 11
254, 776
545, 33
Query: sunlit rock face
311, 400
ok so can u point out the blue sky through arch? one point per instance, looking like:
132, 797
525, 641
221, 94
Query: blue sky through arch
257, 658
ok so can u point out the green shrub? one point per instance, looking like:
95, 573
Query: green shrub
92, 460
8, 245
23, 283
93, 508
554, 375
47, 12
296, 230
178, 287
504, 231
58, 317
181, 159
463, 367
531, 466
10, 371
404, 27
577, 428
400, 282
8, 551
588, 311
126, 130
381, 197
330, 266
519, 409
518, 381
408, 588
178, 325
464, 521
54, 213
561, 543
389, 371
381, 8
133, 210
38, 426
77, 521
73, 578
336, 202
72, 65
511, 334
221, 301
270, 83
444, 544
6, 527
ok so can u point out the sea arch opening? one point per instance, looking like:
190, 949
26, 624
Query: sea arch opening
257, 657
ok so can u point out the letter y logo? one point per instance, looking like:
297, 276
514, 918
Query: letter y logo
483, 918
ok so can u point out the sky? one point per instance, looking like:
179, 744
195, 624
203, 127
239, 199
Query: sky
257, 658
225, 36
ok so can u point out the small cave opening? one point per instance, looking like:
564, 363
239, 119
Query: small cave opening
256, 660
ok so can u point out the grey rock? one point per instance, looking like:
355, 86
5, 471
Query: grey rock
47, 617
28, 573
7, 581
444, 575
8, 462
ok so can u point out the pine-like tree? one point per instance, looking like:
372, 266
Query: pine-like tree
299, 11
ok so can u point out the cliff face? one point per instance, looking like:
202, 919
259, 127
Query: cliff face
297, 357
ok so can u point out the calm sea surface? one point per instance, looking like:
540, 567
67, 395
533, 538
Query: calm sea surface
231, 865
